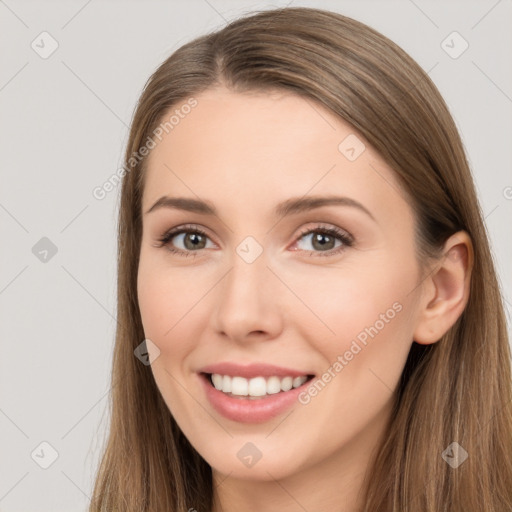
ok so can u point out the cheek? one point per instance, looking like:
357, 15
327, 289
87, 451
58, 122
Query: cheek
340, 302
154, 301
172, 303
371, 353
170, 313
163, 296
364, 360
365, 317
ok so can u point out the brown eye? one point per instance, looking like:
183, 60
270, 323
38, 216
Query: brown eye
192, 240
323, 240
187, 241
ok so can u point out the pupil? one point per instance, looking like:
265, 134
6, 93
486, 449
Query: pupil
318, 239
194, 239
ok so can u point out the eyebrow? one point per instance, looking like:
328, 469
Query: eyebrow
289, 207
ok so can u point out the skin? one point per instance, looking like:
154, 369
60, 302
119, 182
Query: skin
293, 306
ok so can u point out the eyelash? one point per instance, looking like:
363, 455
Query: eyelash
346, 239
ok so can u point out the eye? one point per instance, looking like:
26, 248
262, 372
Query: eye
324, 239
192, 239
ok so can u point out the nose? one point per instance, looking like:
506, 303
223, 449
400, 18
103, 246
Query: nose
249, 302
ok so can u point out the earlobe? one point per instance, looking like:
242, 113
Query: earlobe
446, 290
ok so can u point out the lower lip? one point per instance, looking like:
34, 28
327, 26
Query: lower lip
247, 410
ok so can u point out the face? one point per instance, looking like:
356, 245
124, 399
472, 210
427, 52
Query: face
268, 283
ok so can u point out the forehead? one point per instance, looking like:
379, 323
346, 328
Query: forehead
260, 148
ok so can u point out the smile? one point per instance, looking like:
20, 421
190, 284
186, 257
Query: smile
255, 399
237, 386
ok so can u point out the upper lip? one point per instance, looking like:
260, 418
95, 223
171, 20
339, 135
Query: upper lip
252, 370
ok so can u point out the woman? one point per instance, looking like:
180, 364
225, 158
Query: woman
309, 316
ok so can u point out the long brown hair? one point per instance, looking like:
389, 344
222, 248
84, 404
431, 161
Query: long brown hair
456, 390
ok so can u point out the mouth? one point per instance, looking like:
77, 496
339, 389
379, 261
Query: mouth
255, 388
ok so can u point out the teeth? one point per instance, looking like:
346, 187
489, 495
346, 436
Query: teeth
257, 386
298, 381
239, 386
226, 383
217, 381
286, 384
273, 385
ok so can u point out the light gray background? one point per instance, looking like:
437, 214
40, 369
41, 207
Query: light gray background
64, 124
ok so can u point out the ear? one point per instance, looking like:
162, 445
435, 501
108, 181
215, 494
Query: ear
446, 290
